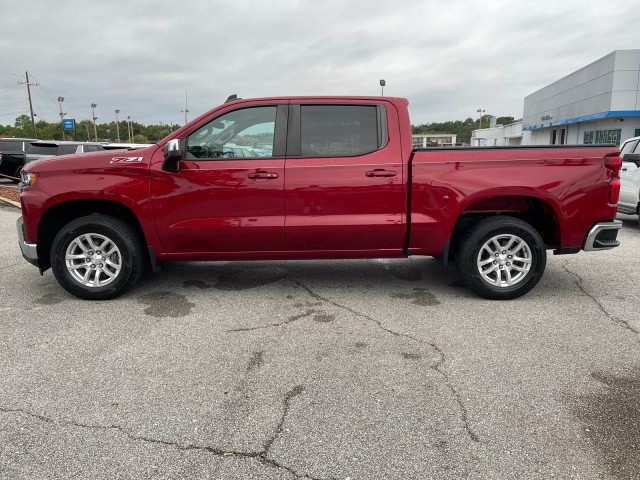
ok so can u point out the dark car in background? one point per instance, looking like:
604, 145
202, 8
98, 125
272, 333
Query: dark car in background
41, 149
12, 156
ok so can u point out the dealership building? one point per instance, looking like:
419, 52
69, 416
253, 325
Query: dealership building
599, 103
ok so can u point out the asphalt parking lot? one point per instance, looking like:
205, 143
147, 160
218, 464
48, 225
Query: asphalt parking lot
322, 370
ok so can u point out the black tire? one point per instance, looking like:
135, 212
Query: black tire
17, 173
527, 260
120, 268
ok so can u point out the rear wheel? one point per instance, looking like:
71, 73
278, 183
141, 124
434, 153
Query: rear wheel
501, 258
97, 257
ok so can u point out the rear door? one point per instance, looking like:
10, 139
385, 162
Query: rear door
218, 202
344, 185
629, 175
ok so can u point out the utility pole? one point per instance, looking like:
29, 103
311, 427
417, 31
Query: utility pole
129, 127
60, 100
29, 84
93, 114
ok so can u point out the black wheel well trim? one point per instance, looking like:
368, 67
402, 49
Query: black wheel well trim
62, 213
549, 227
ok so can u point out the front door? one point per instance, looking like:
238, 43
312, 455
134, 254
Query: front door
228, 195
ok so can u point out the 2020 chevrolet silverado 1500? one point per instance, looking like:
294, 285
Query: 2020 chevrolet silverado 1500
331, 177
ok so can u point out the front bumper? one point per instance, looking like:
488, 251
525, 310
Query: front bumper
29, 250
602, 236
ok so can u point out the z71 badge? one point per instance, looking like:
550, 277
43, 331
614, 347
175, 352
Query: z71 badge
126, 160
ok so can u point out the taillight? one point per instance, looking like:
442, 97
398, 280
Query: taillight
613, 165
614, 190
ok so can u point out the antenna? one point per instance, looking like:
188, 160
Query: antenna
186, 109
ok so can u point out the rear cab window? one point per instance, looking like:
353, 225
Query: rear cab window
342, 130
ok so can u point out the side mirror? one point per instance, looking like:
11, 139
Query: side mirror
172, 156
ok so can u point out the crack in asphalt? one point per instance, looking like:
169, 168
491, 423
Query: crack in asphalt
579, 283
464, 415
262, 455
289, 320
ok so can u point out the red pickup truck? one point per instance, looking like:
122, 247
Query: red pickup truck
311, 178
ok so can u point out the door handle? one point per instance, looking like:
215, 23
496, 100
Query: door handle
381, 172
624, 169
262, 174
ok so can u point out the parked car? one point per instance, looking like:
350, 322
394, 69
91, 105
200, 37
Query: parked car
629, 202
125, 146
12, 156
40, 149
342, 181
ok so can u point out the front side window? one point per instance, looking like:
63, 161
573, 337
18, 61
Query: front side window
245, 133
339, 130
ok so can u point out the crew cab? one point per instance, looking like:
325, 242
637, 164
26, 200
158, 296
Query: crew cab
630, 178
335, 177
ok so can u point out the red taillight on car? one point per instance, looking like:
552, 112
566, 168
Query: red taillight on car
613, 165
614, 190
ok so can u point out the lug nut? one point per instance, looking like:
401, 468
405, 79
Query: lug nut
93, 267
495, 262
90, 252
504, 251
508, 264
509, 257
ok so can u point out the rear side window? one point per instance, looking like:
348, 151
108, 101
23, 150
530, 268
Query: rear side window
341, 130
91, 148
12, 145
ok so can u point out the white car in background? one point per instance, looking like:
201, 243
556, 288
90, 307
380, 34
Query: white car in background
629, 202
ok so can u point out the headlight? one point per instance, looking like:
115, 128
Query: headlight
28, 179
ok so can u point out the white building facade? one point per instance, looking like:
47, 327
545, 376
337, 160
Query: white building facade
599, 103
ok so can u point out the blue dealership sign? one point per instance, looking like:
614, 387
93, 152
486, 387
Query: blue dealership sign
69, 124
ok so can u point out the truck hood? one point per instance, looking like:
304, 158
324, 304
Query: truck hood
93, 162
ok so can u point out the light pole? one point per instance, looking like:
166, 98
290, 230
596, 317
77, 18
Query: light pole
60, 100
117, 127
186, 109
93, 114
382, 85
480, 112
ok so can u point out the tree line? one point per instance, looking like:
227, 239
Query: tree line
106, 132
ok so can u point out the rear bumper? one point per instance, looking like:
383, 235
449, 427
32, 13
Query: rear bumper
29, 250
602, 236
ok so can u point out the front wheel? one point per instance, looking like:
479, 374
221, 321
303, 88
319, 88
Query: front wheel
97, 257
501, 258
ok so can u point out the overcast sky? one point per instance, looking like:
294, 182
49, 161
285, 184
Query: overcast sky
449, 58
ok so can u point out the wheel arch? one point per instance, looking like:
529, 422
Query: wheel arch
61, 214
541, 213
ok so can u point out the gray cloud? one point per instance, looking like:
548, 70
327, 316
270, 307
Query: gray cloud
448, 58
